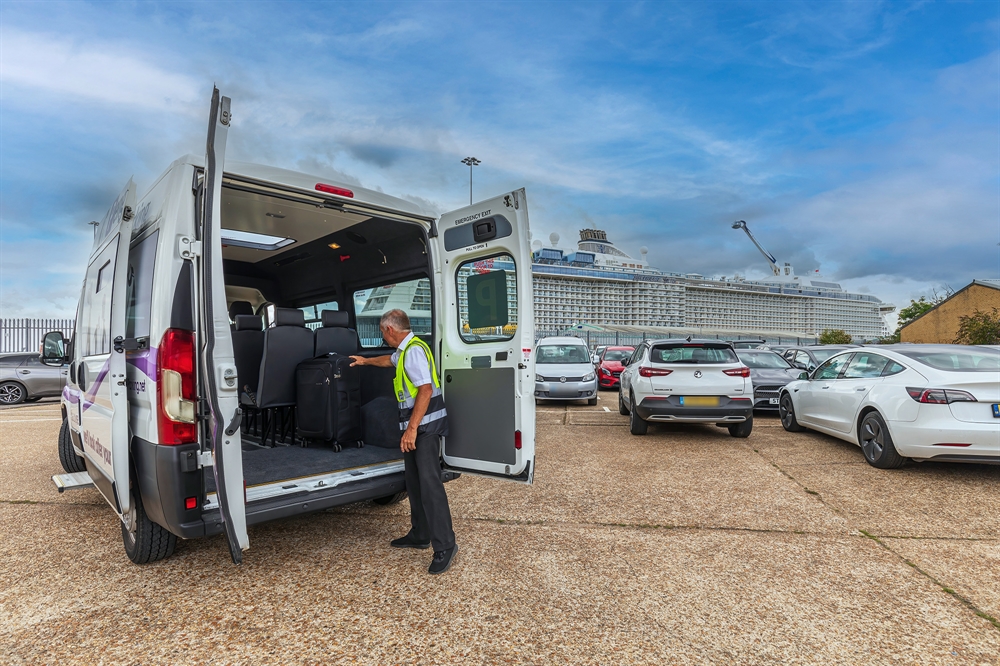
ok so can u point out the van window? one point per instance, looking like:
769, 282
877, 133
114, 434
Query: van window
139, 288
412, 297
104, 276
314, 313
487, 299
94, 321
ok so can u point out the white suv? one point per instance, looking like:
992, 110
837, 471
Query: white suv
686, 381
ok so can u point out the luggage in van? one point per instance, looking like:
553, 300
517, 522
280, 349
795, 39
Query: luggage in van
328, 400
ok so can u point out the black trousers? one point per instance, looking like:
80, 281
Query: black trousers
430, 517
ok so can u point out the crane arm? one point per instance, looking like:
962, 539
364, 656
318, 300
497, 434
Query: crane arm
740, 224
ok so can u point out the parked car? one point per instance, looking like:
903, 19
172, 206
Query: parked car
687, 381
609, 366
808, 358
596, 356
564, 371
748, 344
25, 378
768, 373
925, 402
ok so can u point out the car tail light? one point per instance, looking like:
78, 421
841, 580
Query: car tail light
517, 440
191, 503
176, 383
738, 372
654, 372
333, 189
932, 396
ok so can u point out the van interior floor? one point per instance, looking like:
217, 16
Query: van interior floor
267, 465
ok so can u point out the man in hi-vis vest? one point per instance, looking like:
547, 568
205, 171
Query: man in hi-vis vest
422, 422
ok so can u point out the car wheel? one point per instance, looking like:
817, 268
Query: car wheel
390, 499
592, 401
876, 443
67, 456
622, 409
144, 540
742, 430
786, 410
636, 425
12, 393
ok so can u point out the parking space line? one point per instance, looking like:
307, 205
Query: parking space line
606, 409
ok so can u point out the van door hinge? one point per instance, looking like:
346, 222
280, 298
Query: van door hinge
205, 459
188, 248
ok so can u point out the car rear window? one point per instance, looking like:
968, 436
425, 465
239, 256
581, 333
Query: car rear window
692, 353
958, 360
617, 354
562, 354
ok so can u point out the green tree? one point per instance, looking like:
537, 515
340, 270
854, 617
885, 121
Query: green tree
979, 328
834, 337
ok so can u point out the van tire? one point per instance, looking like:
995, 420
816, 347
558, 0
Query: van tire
622, 409
636, 425
67, 456
742, 430
149, 542
390, 499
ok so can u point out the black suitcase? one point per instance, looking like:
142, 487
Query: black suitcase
328, 400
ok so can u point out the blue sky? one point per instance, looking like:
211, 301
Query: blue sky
859, 138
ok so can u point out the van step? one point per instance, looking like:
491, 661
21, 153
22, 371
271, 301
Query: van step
72, 481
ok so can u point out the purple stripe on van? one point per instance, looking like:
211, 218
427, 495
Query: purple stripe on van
72, 396
145, 361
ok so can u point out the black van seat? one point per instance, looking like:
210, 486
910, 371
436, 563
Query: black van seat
335, 336
286, 344
238, 308
248, 349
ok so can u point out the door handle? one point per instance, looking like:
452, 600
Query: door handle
861, 388
825, 387
25, 372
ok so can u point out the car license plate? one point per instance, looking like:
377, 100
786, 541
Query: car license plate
772, 401
699, 401
996, 410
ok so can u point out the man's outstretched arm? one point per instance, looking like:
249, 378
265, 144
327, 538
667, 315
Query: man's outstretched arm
377, 361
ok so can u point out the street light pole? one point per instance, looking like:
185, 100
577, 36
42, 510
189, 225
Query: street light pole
471, 162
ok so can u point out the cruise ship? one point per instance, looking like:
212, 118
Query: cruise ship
600, 285
602, 288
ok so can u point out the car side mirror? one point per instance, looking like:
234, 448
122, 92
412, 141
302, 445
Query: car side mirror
53, 349
803, 375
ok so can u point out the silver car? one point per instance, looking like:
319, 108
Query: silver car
564, 371
23, 377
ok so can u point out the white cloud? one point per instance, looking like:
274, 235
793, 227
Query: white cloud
102, 73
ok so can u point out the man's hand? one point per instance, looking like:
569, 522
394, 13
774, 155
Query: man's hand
357, 360
409, 441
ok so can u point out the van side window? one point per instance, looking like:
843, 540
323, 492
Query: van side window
104, 276
94, 321
140, 287
487, 299
314, 313
412, 297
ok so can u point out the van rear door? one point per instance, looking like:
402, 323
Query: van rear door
218, 365
101, 340
485, 329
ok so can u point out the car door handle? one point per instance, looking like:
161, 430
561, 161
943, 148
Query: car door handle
862, 388
25, 372
825, 387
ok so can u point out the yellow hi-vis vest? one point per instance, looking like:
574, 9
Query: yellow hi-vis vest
435, 421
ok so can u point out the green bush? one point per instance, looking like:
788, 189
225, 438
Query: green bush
835, 337
979, 328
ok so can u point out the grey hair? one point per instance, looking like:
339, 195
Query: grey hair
396, 319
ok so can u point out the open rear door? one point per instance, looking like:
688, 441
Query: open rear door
485, 329
104, 403
218, 367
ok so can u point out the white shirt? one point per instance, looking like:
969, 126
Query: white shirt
416, 365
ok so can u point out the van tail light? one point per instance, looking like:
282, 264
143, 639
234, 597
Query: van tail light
654, 372
333, 189
932, 396
517, 440
738, 372
175, 382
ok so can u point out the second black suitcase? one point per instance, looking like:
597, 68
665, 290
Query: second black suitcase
328, 400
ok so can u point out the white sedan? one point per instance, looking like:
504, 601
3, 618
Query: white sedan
925, 402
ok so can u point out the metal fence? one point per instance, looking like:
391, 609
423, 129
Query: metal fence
25, 335
608, 338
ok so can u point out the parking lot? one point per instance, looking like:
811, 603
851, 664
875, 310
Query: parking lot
683, 546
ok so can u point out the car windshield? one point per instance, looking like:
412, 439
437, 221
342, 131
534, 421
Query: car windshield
562, 354
763, 360
956, 360
823, 354
617, 355
692, 353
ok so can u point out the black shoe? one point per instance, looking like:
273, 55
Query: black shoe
409, 542
442, 560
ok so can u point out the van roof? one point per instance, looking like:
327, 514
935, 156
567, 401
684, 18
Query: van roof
308, 182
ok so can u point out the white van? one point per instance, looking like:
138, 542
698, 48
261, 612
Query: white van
173, 411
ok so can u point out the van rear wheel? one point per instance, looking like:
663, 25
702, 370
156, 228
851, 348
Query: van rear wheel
144, 540
67, 456
390, 499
